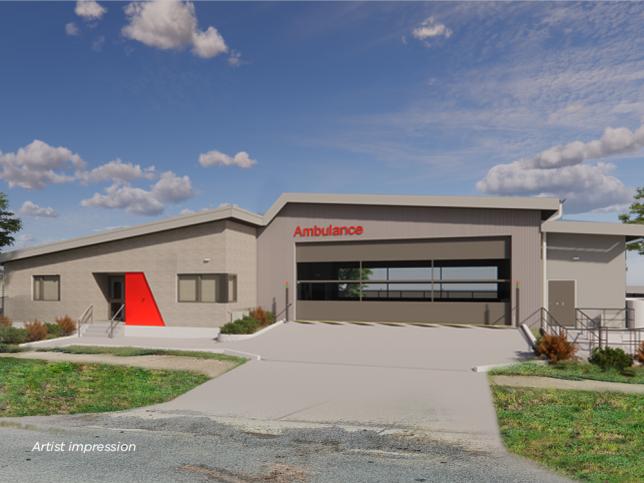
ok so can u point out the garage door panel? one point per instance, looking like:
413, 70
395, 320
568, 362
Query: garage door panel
390, 311
445, 249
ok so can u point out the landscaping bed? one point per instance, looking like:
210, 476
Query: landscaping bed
33, 387
256, 320
593, 436
140, 351
573, 370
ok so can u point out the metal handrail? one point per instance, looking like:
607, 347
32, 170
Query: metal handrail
114, 321
87, 313
283, 311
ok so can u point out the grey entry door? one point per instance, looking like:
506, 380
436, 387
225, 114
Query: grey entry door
117, 296
561, 301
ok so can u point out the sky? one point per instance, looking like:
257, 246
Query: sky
115, 113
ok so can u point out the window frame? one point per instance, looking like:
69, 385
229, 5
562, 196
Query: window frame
39, 280
222, 293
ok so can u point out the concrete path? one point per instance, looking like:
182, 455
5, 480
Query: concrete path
332, 403
388, 377
209, 367
404, 376
553, 383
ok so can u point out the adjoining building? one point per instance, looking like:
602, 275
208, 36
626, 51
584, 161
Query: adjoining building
475, 260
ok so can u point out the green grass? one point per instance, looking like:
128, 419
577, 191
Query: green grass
32, 387
592, 436
138, 351
574, 371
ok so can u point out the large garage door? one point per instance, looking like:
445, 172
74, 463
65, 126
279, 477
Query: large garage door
450, 281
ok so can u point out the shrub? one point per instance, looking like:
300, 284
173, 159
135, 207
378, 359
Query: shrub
640, 353
610, 358
7, 348
66, 325
36, 330
5, 321
245, 325
53, 330
264, 317
556, 348
12, 335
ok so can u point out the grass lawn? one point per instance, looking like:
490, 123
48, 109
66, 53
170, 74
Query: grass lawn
32, 387
593, 436
573, 371
137, 351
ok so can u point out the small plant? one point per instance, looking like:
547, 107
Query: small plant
9, 348
36, 330
5, 321
66, 325
53, 330
610, 358
264, 317
245, 325
556, 348
640, 353
12, 335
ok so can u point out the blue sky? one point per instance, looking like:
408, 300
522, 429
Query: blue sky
411, 98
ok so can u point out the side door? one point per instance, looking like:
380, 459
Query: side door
561, 301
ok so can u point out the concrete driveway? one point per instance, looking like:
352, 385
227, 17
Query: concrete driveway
406, 377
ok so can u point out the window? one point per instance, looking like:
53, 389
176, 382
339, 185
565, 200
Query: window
408, 280
207, 288
47, 287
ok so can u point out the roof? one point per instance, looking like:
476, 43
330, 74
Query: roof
223, 213
546, 205
630, 231
635, 289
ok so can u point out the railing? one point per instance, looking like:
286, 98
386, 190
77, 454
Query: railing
277, 316
588, 327
546, 322
615, 318
114, 321
86, 317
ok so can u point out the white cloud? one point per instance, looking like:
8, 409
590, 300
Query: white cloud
217, 158
89, 9
171, 24
430, 29
39, 164
71, 29
133, 200
24, 240
169, 189
561, 171
117, 171
29, 208
235, 59
172, 188
614, 141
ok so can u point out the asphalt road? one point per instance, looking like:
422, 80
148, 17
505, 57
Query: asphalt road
195, 448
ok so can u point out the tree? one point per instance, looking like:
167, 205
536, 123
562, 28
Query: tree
9, 222
635, 215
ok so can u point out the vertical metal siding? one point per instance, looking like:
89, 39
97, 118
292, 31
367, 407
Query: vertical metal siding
276, 246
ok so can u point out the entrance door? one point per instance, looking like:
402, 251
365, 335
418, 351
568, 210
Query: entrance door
117, 296
561, 301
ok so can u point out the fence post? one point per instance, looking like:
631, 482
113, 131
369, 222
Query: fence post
518, 306
286, 300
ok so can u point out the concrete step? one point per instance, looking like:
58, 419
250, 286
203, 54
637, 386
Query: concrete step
100, 329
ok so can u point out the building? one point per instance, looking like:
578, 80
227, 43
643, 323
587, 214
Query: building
476, 260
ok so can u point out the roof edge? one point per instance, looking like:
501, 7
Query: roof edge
489, 202
630, 231
206, 216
